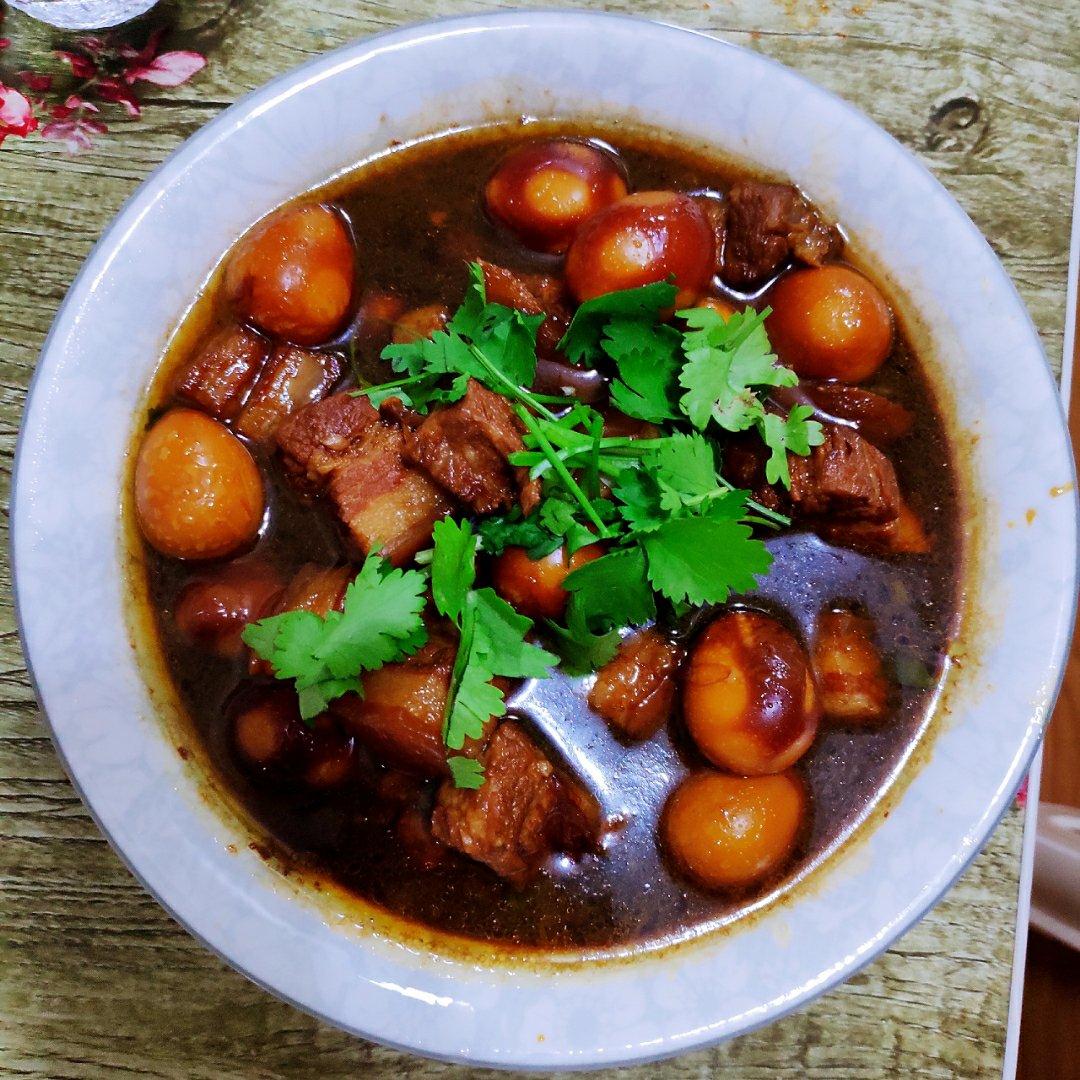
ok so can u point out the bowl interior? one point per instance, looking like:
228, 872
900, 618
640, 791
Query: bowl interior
295, 133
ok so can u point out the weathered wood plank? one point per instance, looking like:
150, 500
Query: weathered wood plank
95, 979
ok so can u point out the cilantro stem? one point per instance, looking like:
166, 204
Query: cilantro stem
516, 392
354, 362
563, 436
553, 399
754, 519
592, 474
461, 662
626, 447
772, 518
562, 471
393, 384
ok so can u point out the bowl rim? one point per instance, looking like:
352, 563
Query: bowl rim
285, 84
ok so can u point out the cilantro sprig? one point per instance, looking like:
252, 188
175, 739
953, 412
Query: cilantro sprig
325, 655
684, 534
676, 532
492, 643
606, 594
675, 529
717, 370
489, 342
728, 364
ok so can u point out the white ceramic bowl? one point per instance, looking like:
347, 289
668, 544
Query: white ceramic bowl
68, 548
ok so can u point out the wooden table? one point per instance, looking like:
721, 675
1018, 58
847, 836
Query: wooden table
95, 979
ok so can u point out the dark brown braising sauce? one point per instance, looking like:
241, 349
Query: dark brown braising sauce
626, 894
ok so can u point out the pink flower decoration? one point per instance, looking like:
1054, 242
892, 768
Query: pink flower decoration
82, 67
1022, 793
95, 46
94, 61
168, 69
5, 43
73, 102
16, 114
114, 90
147, 52
36, 81
76, 135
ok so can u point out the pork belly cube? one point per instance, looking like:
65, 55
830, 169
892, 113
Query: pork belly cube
318, 439
850, 675
904, 535
420, 323
503, 286
315, 588
291, 379
766, 224
400, 716
743, 463
874, 416
387, 505
845, 477
220, 377
635, 690
343, 448
532, 294
522, 813
465, 446
320, 589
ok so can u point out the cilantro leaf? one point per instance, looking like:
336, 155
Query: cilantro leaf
325, 655
647, 358
442, 353
685, 466
417, 392
460, 720
704, 559
476, 699
466, 772
492, 640
676, 477
510, 345
499, 642
725, 360
468, 320
796, 434
381, 620
498, 533
480, 338
492, 643
453, 566
315, 700
580, 650
581, 341
638, 496
612, 591
289, 642
426, 392
555, 523
559, 517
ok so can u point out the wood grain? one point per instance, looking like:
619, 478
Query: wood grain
95, 980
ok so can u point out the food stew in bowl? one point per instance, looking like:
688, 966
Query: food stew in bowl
552, 538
